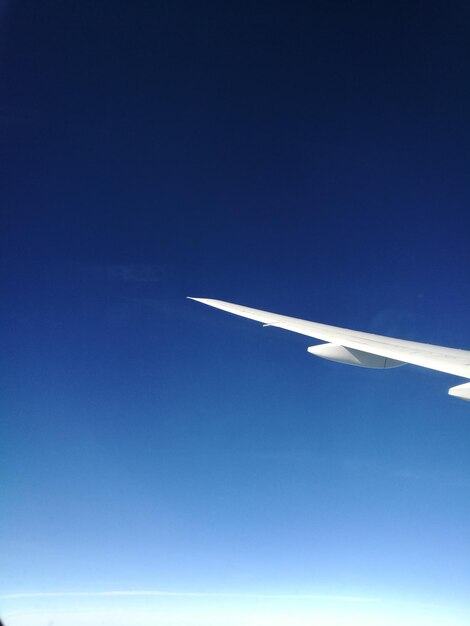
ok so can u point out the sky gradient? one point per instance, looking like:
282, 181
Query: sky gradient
310, 160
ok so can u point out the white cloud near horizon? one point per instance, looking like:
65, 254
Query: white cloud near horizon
347, 615
182, 594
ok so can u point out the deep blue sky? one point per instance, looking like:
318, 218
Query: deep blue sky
306, 158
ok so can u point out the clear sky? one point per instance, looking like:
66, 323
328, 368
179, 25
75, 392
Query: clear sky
166, 463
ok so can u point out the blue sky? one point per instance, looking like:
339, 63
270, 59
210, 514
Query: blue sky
170, 462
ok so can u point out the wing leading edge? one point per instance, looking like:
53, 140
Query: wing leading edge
364, 349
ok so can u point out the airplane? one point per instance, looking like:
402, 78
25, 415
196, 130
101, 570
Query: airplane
362, 349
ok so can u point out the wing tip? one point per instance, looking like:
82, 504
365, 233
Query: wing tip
203, 300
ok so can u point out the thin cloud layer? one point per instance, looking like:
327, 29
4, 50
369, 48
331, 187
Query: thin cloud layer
183, 594
135, 272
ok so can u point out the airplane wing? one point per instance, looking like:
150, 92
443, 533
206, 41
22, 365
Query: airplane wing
354, 347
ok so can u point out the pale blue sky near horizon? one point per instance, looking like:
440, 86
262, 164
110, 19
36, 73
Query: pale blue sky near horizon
307, 160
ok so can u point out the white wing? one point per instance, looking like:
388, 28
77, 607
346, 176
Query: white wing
364, 349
